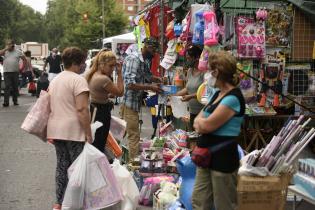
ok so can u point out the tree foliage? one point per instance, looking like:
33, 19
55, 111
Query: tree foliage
63, 23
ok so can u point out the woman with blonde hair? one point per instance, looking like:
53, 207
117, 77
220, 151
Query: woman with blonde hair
219, 124
101, 86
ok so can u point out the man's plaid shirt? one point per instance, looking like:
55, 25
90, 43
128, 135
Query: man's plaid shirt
135, 70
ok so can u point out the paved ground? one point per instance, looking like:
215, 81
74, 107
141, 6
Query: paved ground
27, 165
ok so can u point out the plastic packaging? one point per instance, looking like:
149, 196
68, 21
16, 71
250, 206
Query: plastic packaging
179, 108
211, 28
92, 184
118, 127
198, 36
203, 61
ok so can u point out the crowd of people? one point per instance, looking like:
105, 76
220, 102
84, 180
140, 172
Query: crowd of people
75, 97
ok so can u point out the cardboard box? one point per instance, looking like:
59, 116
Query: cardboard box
261, 193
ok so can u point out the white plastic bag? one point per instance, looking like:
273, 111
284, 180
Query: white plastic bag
179, 108
127, 185
94, 127
118, 127
92, 184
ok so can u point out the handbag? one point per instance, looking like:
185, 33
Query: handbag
32, 88
37, 119
201, 156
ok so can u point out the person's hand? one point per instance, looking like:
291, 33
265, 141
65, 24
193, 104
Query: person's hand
89, 139
186, 98
186, 119
156, 88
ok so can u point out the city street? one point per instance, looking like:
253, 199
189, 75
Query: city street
27, 165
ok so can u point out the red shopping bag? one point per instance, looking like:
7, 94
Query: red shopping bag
32, 87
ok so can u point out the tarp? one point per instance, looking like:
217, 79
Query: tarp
123, 38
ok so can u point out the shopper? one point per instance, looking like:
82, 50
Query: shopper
137, 75
220, 123
12, 57
27, 73
54, 61
101, 85
194, 80
69, 122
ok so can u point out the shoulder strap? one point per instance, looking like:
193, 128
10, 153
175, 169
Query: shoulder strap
238, 94
220, 146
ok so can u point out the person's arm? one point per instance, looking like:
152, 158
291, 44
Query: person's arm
156, 79
219, 117
116, 89
182, 92
3, 51
189, 97
82, 107
130, 73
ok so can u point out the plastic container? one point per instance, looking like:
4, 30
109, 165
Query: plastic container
198, 36
211, 28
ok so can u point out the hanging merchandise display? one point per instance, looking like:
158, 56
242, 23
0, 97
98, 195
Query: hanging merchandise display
247, 85
198, 36
250, 38
211, 28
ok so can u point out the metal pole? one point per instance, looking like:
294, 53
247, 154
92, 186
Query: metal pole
103, 19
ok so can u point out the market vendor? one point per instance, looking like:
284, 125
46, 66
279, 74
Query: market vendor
137, 78
220, 123
194, 79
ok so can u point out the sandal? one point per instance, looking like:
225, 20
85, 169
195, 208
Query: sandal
57, 207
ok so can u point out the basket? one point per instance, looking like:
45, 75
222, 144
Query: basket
261, 193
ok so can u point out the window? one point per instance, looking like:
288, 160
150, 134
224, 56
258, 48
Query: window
130, 8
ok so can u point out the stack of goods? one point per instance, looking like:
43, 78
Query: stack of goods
304, 179
152, 163
150, 186
283, 149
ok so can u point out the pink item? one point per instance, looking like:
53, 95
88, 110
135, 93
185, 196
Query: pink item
36, 120
261, 14
250, 38
211, 28
203, 61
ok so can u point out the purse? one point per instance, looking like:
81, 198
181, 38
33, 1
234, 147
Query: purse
37, 119
201, 156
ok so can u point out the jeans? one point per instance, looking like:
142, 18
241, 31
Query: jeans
11, 81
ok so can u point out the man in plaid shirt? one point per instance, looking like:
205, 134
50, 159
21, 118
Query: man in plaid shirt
137, 78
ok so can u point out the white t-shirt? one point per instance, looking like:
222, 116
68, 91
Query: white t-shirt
11, 61
63, 123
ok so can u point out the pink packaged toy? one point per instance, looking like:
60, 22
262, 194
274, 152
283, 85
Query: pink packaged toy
250, 38
211, 29
203, 61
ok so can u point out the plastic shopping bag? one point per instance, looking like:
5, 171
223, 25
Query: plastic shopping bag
118, 127
92, 184
94, 127
127, 185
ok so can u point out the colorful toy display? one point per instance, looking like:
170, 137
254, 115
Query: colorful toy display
211, 28
250, 38
198, 37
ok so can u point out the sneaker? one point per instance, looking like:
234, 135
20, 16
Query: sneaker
16, 103
5, 105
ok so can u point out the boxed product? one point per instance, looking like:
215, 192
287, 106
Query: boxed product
262, 193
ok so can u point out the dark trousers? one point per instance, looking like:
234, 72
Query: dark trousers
11, 81
26, 77
103, 115
67, 152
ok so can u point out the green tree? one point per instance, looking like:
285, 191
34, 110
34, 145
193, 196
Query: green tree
66, 26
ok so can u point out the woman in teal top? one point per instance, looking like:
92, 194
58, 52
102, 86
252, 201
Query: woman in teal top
194, 80
219, 123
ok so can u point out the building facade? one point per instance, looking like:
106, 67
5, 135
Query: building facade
132, 7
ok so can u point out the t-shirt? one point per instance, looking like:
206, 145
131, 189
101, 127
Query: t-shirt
11, 61
97, 86
54, 64
63, 123
192, 85
233, 126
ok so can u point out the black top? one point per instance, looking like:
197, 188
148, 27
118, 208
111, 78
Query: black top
54, 64
226, 159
